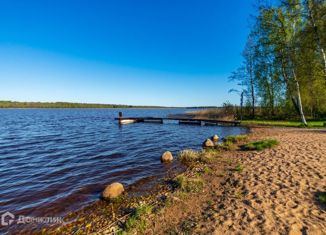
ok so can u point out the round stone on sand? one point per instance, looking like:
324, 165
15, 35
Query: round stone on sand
113, 190
215, 138
208, 143
167, 157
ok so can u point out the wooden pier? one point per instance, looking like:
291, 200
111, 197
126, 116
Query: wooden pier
188, 121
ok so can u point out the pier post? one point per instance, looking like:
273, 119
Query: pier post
120, 116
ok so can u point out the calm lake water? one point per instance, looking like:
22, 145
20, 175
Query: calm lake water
53, 161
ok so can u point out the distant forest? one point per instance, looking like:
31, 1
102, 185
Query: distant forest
14, 104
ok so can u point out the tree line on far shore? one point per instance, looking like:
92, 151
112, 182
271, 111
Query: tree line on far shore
15, 104
283, 74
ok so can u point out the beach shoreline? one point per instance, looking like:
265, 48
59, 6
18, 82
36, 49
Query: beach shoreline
275, 191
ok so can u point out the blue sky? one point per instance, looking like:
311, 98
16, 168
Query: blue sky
144, 52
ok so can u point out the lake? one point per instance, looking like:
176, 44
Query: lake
53, 161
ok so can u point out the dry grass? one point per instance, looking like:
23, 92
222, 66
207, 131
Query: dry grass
189, 157
188, 185
216, 113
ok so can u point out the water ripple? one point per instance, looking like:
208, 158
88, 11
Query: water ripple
54, 161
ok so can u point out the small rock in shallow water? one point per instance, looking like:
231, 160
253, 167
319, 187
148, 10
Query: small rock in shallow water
167, 157
215, 138
208, 143
112, 191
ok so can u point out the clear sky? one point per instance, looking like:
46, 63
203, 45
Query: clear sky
138, 52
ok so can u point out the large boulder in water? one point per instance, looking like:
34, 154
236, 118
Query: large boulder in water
208, 143
113, 190
167, 157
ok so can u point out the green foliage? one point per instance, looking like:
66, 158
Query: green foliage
284, 65
260, 145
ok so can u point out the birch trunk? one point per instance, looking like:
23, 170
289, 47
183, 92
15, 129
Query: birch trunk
252, 87
298, 99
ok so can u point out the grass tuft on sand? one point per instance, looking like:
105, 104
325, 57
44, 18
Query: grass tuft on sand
137, 220
207, 170
226, 145
322, 198
189, 185
189, 156
260, 145
235, 138
230, 142
239, 168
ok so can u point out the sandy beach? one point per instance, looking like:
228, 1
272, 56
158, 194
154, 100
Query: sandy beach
275, 193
